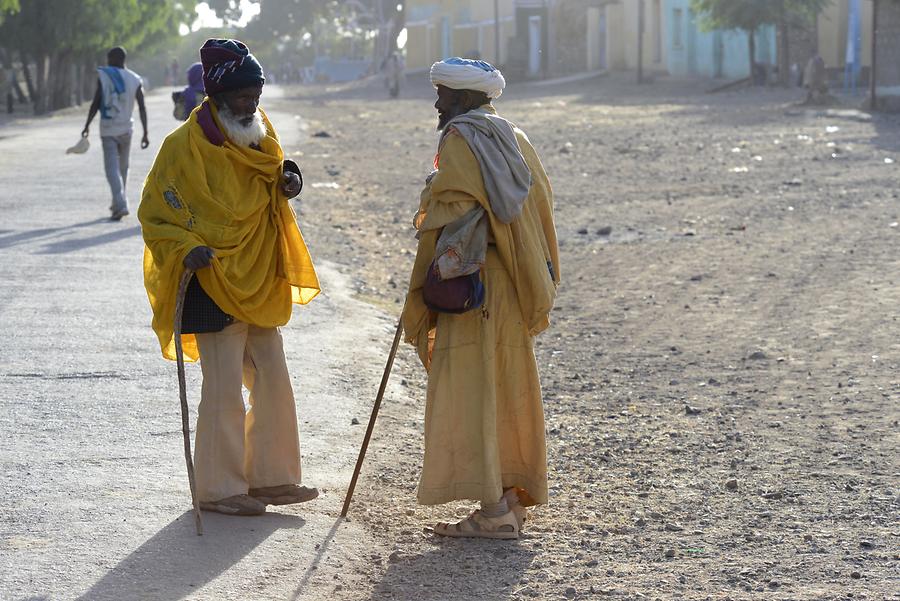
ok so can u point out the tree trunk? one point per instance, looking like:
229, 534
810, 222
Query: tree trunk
26, 72
56, 82
89, 82
751, 47
398, 24
40, 90
784, 51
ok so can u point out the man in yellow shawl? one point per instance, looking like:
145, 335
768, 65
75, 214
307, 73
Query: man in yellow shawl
217, 202
486, 213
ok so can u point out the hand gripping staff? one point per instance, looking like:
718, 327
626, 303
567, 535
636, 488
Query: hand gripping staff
375, 408
182, 386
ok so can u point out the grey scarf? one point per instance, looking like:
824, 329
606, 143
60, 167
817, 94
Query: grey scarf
507, 178
462, 246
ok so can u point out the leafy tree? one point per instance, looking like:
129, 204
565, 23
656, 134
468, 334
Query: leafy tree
313, 27
750, 15
65, 39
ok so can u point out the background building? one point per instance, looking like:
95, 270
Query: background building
439, 29
693, 52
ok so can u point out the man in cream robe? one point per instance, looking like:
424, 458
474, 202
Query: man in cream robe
484, 422
216, 202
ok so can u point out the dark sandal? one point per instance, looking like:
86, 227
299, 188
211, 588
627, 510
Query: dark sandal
235, 505
285, 494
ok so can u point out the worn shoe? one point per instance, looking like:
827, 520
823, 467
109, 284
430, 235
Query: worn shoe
236, 505
285, 494
117, 215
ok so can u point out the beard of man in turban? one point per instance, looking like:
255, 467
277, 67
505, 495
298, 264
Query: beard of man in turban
243, 124
453, 103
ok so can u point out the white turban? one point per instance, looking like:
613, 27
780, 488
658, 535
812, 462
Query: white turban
464, 74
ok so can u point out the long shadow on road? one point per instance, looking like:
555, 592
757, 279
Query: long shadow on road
72, 245
176, 562
14, 239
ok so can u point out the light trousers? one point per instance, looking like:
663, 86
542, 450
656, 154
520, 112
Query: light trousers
236, 448
116, 154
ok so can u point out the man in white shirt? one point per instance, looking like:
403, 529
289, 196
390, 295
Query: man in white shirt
117, 89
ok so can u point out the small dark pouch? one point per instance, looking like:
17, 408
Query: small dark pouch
455, 295
201, 314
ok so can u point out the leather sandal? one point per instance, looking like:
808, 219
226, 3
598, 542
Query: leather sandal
285, 494
235, 505
477, 525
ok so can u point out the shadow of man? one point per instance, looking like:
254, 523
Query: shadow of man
176, 562
75, 244
456, 569
14, 238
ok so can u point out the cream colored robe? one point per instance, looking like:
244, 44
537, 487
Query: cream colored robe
484, 419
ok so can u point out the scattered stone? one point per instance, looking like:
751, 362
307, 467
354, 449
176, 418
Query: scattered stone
670, 553
354, 422
866, 544
673, 527
731, 484
696, 278
583, 231
855, 575
571, 592
567, 148
773, 495
606, 230
592, 563
689, 410
793, 182
395, 557
758, 356
321, 134
808, 537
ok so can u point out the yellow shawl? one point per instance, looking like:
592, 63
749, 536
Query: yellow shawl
229, 198
525, 246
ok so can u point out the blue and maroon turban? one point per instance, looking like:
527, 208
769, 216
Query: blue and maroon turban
228, 65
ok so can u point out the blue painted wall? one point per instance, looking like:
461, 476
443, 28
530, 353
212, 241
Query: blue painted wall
691, 51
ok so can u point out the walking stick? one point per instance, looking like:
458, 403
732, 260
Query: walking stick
182, 388
375, 408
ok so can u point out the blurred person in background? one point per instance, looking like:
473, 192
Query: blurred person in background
117, 90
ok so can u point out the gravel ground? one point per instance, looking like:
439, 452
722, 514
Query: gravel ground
720, 377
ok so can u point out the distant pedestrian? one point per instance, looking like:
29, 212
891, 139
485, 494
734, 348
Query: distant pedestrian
482, 287
117, 89
815, 79
216, 202
393, 73
189, 98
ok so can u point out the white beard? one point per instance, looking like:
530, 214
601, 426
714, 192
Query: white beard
237, 132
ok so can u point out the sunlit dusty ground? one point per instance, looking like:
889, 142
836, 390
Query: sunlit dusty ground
720, 377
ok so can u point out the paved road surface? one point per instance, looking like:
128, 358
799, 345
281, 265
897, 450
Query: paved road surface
96, 503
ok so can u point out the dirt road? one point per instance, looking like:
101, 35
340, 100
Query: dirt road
720, 378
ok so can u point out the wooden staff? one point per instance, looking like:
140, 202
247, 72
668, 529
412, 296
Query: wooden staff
182, 386
365, 444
